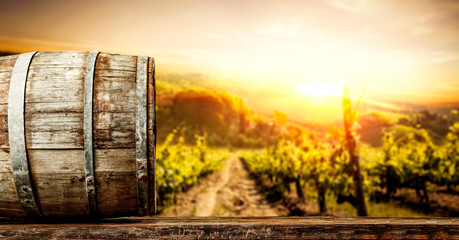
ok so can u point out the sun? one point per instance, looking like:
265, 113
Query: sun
319, 90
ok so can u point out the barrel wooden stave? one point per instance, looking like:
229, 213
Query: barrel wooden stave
114, 133
152, 133
55, 135
54, 111
9, 201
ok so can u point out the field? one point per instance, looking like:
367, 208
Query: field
219, 157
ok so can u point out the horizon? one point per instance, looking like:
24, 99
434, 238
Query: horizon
387, 50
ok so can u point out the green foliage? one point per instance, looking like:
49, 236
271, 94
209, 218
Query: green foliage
418, 152
191, 101
408, 158
222, 115
179, 166
306, 161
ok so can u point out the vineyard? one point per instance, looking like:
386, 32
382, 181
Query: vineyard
418, 155
408, 159
370, 163
180, 166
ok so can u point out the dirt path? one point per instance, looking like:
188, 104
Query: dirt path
229, 192
205, 202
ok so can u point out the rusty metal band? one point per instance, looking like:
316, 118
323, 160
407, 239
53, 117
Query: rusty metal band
16, 134
141, 145
88, 135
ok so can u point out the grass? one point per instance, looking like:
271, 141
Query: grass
382, 209
391, 209
193, 211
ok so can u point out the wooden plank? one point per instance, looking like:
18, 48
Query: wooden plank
5, 76
7, 187
116, 75
59, 181
115, 174
62, 194
141, 136
240, 228
11, 209
114, 101
54, 130
7, 65
114, 91
115, 160
4, 89
62, 106
59, 59
54, 121
4, 139
59, 139
112, 138
55, 85
114, 120
118, 193
5, 165
151, 126
54, 100
9, 203
56, 161
116, 61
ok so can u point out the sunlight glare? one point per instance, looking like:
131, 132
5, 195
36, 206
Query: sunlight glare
319, 90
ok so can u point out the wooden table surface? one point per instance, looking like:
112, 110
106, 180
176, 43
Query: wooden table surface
235, 228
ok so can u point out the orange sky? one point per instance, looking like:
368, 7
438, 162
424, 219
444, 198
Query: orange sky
403, 50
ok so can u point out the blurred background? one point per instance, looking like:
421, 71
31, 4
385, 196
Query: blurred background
252, 108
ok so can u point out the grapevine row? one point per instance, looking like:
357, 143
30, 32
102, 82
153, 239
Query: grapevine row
179, 166
407, 159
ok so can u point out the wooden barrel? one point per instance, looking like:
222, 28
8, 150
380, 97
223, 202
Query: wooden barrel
77, 135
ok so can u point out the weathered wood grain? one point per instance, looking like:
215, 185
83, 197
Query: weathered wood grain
54, 111
6, 69
116, 62
59, 181
115, 174
241, 228
9, 201
6, 66
114, 91
55, 84
59, 59
12, 209
151, 126
114, 101
4, 89
61, 187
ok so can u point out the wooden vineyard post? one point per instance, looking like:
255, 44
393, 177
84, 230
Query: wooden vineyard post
350, 141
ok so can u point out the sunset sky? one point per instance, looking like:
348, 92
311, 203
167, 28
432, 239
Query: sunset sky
402, 50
